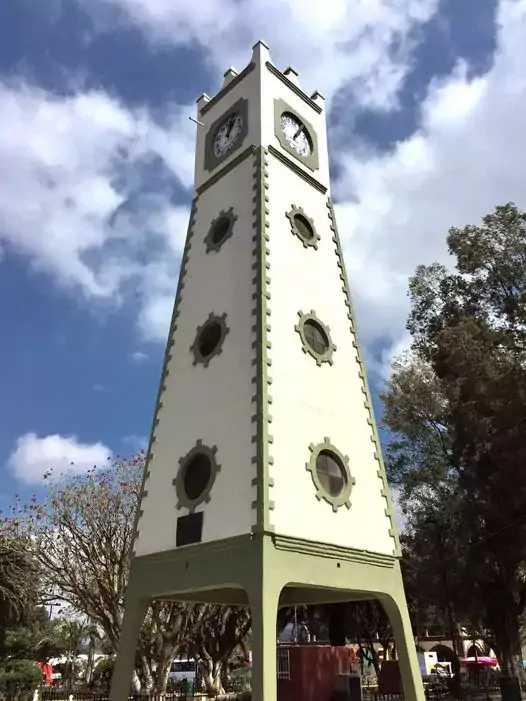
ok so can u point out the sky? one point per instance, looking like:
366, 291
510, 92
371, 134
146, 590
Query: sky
427, 107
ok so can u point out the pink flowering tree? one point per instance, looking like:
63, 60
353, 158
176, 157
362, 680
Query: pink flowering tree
81, 536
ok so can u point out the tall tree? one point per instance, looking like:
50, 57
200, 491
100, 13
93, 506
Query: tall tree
460, 449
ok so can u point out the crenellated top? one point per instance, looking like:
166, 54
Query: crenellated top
261, 57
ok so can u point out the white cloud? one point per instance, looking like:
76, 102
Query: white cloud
33, 456
62, 157
135, 443
139, 357
67, 168
362, 47
466, 157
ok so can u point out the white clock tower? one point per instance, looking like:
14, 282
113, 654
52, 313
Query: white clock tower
264, 483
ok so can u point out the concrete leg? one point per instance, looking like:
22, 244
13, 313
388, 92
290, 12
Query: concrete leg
410, 674
264, 611
132, 621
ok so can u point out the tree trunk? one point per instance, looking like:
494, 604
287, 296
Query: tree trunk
145, 675
211, 672
91, 658
508, 643
163, 670
136, 682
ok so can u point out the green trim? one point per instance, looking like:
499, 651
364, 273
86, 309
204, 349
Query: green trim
229, 166
299, 92
311, 161
212, 318
334, 552
342, 499
211, 245
297, 170
212, 161
261, 311
300, 328
386, 492
164, 372
230, 86
311, 242
183, 500
266, 572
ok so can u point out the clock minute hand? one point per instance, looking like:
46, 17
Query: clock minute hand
301, 128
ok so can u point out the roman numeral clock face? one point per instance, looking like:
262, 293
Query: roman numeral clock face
227, 135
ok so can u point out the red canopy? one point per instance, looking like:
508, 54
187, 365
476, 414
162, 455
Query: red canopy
481, 660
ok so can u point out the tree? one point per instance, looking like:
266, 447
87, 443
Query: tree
456, 407
214, 634
17, 579
38, 638
81, 536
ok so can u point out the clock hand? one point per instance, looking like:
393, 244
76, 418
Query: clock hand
302, 127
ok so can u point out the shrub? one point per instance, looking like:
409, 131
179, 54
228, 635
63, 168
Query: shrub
18, 678
240, 680
103, 672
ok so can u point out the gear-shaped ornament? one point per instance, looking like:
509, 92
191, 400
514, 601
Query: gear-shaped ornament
221, 229
196, 475
209, 339
315, 337
331, 474
303, 227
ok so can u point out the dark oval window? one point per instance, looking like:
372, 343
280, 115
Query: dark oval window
316, 337
197, 475
220, 230
303, 227
331, 473
209, 338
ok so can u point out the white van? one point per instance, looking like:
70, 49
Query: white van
183, 669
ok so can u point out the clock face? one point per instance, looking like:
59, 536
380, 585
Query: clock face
296, 134
227, 135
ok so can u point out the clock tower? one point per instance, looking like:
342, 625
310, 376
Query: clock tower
264, 484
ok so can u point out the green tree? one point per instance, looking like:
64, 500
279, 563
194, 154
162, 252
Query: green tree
18, 589
38, 638
456, 407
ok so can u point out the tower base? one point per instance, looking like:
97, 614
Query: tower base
266, 572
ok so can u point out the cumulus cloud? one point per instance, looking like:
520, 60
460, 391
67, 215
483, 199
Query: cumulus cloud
70, 170
69, 164
33, 457
466, 157
362, 47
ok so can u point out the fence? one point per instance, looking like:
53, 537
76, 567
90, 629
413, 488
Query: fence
54, 694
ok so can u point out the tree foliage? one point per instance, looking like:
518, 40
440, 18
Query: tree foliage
80, 537
17, 580
37, 638
456, 406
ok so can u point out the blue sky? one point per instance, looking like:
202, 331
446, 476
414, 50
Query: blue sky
426, 103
